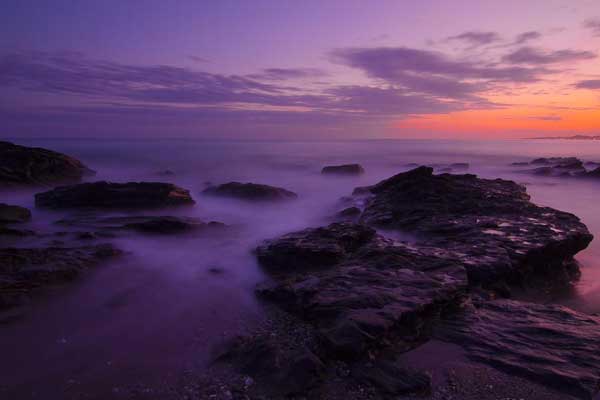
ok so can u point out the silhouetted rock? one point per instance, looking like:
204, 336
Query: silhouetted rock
349, 214
358, 289
13, 214
132, 195
490, 224
251, 192
22, 270
21, 165
553, 345
345, 169
556, 166
142, 223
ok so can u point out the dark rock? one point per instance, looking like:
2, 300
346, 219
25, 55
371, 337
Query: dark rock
280, 371
251, 192
132, 195
550, 344
21, 165
358, 289
349, 213
142, 223
556, 160
520, 164
5, 231
391, 379
345, 169
22, 270
491, 225
13, 214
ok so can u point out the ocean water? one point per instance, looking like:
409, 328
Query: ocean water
155, 313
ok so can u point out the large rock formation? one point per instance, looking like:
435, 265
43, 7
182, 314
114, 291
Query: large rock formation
489, 224
553, 345
250, 192
357, 288
23, 270
21, 165
132, 195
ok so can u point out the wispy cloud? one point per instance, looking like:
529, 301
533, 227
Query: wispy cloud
476, 38
588, 84
535, 56
593, 24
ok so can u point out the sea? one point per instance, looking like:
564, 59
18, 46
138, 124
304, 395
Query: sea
158, 311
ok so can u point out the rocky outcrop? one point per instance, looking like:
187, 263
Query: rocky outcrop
21, 165
550, 344
132, 195
250, 192
564, 167
23, 270
344, 169
357, 288
141, 223
13, 214
490, 225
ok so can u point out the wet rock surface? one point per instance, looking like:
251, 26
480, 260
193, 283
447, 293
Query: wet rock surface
250, 192
141, 223
563, 167
13, 214
357, 288
550, 344
368, 298
132, 195
23, 270
488, 224
21, 165
344, 169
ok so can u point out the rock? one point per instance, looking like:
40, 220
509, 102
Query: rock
391, 379
556, 160
345, 169
550, 344
251, 192
132, 195
490, 225
556, 166
21, 165
349, 214
142, 223
520, 164
279, 371
22, 270
13, 214
358, 289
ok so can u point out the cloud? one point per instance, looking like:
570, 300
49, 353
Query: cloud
476, 38
526, 37
593, 24
276, 74
433, 72
588, 84
532, 55
546, 117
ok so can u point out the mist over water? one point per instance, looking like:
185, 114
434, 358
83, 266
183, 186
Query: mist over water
156, 312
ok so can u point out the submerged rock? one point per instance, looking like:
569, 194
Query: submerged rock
13, 214
22, 270
550, 344
345, 169
142, 223
489, 224
21, 165
358, 289
132, 195
251, 192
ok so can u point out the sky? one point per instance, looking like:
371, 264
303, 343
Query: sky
278, 69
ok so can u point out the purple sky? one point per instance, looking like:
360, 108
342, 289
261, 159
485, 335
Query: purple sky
291, 70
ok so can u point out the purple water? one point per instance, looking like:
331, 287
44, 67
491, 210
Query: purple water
155, 313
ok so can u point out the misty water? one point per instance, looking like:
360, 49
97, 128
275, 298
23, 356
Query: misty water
155, 313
